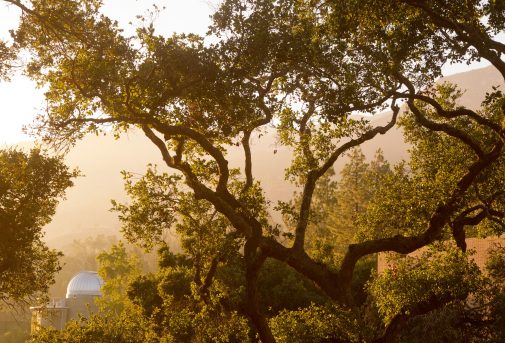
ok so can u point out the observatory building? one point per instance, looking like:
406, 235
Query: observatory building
82, 290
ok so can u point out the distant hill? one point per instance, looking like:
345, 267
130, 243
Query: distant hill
85, 212
474, 83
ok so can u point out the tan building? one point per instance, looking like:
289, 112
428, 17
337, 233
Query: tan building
82, 290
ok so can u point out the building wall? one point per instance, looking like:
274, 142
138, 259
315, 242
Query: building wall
66, 310
54, 317
82, 305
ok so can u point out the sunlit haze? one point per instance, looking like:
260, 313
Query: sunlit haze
21, 101
251, 171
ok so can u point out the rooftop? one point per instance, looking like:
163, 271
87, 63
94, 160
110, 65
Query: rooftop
85, 283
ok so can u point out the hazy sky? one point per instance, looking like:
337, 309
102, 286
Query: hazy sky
20, 100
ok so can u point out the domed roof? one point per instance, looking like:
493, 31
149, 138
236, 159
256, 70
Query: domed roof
84, 283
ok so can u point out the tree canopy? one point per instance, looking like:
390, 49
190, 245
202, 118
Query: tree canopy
304, 68
31, 186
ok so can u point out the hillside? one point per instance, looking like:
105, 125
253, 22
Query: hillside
85, 212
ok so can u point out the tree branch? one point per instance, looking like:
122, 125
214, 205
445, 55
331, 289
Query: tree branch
434, 126
398, 322
327, 280
248, 160
160, 144
360, 140
254, 262
204, 287
314, 175
459, 223
470, 34
439, 219
224, 172
456, 113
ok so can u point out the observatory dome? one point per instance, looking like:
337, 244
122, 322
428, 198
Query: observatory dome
84, 283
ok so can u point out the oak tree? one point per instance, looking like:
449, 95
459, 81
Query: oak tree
31, 186
302, 67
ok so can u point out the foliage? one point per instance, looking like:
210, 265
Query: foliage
82, 255
317, 324
450, 323
77, 256
337, 209
182, 311
104, 327
479, 319
338, 205
439, 172
282, 289
7, 56
30, 188
492, 300
304, 67
117, 269
406, 198
411, 281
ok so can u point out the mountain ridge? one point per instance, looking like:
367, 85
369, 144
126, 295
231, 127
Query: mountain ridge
86, 212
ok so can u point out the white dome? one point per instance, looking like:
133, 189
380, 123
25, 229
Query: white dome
84, 283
